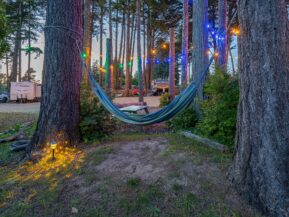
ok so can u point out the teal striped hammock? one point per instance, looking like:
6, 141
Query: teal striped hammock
179, 104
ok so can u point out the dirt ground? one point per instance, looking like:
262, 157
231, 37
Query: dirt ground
132, 175
149, 162
35, 107
19, 108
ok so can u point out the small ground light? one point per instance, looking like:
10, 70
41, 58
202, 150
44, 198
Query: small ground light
53, 145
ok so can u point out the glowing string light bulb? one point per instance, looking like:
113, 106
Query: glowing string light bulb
164, 46
84, 55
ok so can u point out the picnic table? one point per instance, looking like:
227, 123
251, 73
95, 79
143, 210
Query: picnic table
135, 108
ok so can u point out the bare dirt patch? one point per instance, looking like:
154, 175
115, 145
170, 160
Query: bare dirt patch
135, 168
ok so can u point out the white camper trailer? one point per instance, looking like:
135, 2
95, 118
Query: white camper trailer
25, 91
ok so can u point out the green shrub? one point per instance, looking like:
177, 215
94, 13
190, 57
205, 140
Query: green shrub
95, 122
186, 120
219, 111
165, 100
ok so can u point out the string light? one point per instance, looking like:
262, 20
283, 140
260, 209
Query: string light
84, 55
235, 31
164, 46
153, 51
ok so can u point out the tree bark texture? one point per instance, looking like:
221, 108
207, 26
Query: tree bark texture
87, 36
185, 43
200, 40
260, 170
139, 54
108, 64
15, 59
100, 45
127, 67
222, 35
172, 63
59, 112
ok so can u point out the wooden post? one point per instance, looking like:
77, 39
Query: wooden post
172, 63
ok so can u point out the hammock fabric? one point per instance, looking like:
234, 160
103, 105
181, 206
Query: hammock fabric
180, 103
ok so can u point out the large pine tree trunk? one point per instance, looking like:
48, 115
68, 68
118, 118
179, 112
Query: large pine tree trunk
87, 36
261, 162
222, 41
172, 63
20, 64
139, 57
134, 29
185, 43
111, 48
14, 68
101, 45
59, 113
7, 72
20, 43
116, 34
200, 40
127, 68
144, 39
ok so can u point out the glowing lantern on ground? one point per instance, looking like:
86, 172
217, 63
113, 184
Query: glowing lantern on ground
53, 145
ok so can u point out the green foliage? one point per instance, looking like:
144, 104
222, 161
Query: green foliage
165, 100
186, 120
134, 182
99, 154
220, 109
95, 122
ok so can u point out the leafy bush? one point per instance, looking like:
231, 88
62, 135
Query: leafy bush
219, 111
186, 120
95, 122
165, 100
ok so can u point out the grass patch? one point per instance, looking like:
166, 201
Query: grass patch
144, 203
197, 150
134, 182
99, 154
9, 120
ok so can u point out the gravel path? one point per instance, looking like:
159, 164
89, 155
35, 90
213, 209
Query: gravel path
19, 108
